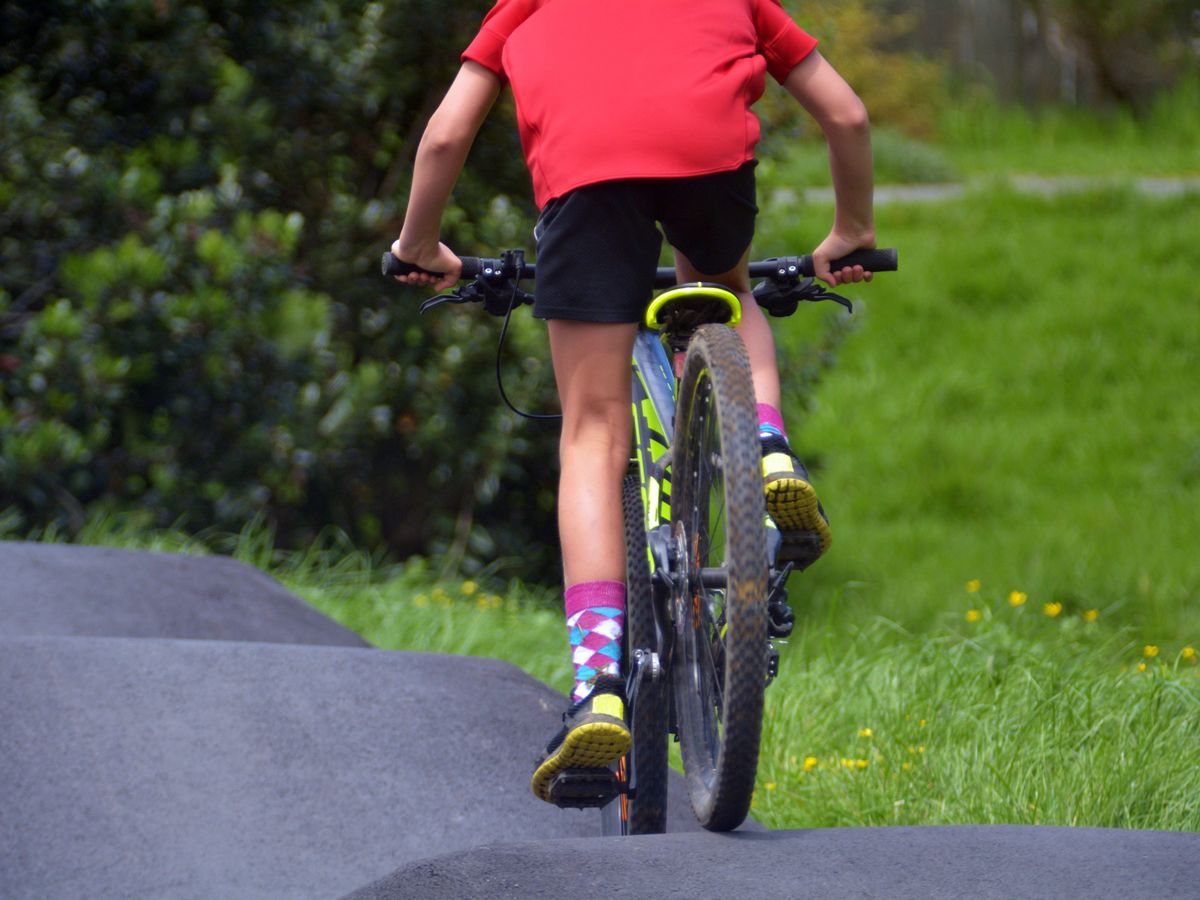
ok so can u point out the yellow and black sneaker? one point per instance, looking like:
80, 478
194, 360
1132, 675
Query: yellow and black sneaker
793, 505
594, 734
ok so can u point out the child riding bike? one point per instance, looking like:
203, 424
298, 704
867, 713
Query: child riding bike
634, 115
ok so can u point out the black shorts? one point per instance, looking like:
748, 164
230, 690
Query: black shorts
598, 246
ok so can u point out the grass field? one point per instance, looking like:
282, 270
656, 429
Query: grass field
1019, 406
1006, 629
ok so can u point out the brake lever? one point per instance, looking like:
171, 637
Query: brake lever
813, 291
468, 293
496, 302
780, 296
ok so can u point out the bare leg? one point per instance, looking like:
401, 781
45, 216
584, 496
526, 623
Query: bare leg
591, 368
754, 329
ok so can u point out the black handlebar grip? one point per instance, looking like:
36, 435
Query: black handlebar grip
885, 260
471, 267
393, 267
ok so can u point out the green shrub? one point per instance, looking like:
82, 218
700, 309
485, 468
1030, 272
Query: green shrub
194, 200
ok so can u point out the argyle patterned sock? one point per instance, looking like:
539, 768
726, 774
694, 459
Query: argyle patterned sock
770, 422
595, 618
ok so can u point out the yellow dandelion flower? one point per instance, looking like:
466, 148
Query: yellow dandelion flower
1052, 609
974, 615
420, 600
810, 763
469, 587
1091, 615
906, 766
921, 748
865, 732
1188, 654
861, 763
921, 723
973, 586
1017, 598
912, 749
1141, 667
1150, 651
770, 785
848, 763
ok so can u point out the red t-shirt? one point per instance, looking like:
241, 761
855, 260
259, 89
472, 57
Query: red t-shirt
609, 89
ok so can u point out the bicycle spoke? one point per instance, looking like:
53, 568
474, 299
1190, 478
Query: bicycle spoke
709, 636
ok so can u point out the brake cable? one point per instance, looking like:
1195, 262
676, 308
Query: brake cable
539, 417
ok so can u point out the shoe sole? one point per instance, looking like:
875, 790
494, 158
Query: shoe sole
593, 744
792, 505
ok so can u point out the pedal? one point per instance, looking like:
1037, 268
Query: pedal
780, 618
584, 788
801, 548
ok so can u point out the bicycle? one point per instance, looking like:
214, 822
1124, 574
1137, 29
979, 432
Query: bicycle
706, 597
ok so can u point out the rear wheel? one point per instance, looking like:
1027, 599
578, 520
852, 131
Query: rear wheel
645, 767
719, 666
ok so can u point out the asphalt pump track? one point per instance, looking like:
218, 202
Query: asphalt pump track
179, 726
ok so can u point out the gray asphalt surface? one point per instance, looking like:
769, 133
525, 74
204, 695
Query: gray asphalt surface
980, 862
51, 589
272, 754
150, 767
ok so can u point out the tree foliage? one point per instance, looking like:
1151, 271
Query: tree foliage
1137, 47
902, 89
193, 201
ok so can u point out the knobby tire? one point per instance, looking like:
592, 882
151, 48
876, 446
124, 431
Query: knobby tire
646, 764
719, 663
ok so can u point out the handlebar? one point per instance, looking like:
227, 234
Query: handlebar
884, 260
786, 280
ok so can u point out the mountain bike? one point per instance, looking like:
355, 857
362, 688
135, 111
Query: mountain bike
706, 569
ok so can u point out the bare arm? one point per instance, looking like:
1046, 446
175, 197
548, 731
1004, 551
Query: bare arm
440, 158
840, 113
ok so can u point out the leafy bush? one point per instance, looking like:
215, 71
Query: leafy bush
902, 89
193, 200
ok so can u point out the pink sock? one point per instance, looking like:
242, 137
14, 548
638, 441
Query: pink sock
595, 620
770, 421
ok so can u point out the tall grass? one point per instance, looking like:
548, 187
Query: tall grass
1001, 721
1015, 713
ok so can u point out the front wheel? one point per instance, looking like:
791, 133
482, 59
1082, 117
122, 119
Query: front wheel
719, 667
